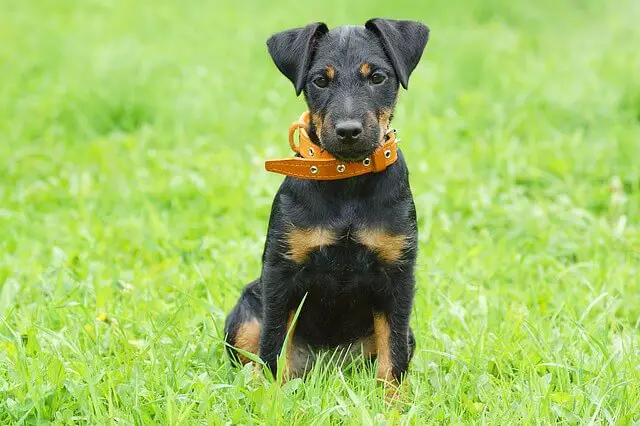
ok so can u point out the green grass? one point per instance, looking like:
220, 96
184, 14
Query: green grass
134, 205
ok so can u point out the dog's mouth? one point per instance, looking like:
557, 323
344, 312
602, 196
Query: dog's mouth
354, 152
353, 156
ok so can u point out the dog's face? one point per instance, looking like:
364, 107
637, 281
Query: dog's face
351, 89
350, 77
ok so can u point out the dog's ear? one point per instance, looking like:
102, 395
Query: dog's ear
403, 41
292, 51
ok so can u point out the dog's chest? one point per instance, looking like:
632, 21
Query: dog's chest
341, 269
356, 238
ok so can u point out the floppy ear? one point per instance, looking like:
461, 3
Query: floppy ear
403, 41
292, 50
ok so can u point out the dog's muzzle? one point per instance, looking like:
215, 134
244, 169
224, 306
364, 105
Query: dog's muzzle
312, 162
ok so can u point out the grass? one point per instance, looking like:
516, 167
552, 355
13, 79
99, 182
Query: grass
133, 208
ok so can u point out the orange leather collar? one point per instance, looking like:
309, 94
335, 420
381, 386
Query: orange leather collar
312, 162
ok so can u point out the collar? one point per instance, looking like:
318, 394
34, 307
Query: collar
313, 162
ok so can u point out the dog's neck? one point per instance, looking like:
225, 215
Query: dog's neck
389, 182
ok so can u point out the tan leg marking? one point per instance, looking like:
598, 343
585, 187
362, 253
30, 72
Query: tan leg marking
382, 336
248, 339
289, 351
303, 241
388, 247
295, 356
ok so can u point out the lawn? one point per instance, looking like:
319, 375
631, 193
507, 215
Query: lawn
134, 206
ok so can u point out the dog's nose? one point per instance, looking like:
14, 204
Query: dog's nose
348, 131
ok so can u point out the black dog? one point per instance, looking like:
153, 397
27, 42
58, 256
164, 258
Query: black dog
350, 245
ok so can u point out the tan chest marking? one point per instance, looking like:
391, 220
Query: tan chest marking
388, 247
301, 242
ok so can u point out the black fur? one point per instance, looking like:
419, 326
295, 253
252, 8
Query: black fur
292, 51
403, 41
346, 283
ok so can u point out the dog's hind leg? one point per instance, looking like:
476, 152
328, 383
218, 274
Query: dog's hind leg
244, 323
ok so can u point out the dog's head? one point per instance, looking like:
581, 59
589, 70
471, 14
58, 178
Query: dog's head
350, 77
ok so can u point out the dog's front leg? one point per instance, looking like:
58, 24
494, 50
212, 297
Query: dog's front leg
276, 298
391, 330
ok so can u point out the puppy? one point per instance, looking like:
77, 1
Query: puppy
347, 246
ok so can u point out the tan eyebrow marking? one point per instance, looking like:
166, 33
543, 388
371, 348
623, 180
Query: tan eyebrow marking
304, 241
331, 72
365, 69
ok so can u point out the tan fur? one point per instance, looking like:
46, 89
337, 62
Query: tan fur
382, 336
303, 241
248, 338
317, 121
388, 247
331, 72
365, 69
384, 117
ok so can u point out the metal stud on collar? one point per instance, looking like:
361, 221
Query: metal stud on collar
341, 168
387, 153
311, 152
366, 161
314, 170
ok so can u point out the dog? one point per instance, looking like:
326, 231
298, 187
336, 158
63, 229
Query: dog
347, 246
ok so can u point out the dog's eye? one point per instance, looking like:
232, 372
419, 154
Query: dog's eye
321, 82
378, 78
